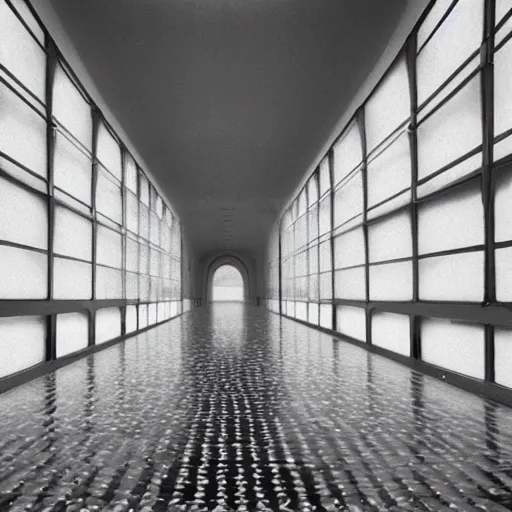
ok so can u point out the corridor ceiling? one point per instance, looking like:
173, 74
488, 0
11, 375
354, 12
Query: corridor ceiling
228, 101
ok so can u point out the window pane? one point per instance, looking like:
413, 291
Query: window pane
453, 346
301, 311
388, 106
109, 247
143, 316
131, 318
325, 178
312, 190
154, 269
108, 324
108, 151
391, 281
454, 41
392, 332
72, 170
132, 285
144, 287
108, 198
313, 224
313, 313
325, 256
73, 234
348, 153
503, 357
351, 284
326, 286
24, 274
504, 274
326, 316
71, 279
389, 172
144, 189
391, 237
351, 322
453, 220
132, 255
22, 132
23, 216
109, 283
154, 228
132, 212
72, 333
143, 259
71, 109
130, 175
349, 248
348, 200
30, 20
20, 53
452, 277
22, 343
502, 209
152, 314
144, 221
452, 131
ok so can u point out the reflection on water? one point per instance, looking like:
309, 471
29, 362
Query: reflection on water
233, 408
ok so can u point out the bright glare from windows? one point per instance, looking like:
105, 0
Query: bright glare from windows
227, 284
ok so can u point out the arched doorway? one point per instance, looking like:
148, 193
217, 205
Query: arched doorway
227, 284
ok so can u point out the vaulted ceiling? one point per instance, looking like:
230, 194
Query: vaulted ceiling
228, 101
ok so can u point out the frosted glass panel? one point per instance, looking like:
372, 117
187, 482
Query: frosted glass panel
502, 209
347, 153
143, 259
454, 41
24, 11
388, 106
390, 238
349, 249
503, 357
152, 314
433, 18
453, 277
348, 200
454, 346
73, 234
325, 256
132, 255
72, 170
108, 198
325, 216
109, 152
20, 54
22, 343
22, 132
504, 274
154, 263
390, 172
392, 281
72, 279
130, 173
131, 318
325, 178
502, 89
301, 311
451, 221
109, 283
144, 287
313, 313
132, 212
108, 324
392, 332
312, 190
23, 216
350, 284
351, 322
144, 221
132, 285
326, 316
144, 189
72, 333
143, 316
71, 109
109, 247
452, 131
24, 274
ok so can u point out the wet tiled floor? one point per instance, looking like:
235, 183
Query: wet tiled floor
234, 408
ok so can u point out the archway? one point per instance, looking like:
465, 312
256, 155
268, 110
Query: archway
227, 284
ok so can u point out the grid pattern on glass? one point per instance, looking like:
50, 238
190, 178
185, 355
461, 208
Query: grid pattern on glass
80, 219
421, 190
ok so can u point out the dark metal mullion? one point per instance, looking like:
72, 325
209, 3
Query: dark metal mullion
96, 119
123, 150
487, 77
51, 59
330, 161
361, 121
21, 85
438, 24
22, 98
414, 322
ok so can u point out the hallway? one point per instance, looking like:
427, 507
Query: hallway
235, 408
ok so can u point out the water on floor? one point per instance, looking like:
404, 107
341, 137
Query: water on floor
237, 409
